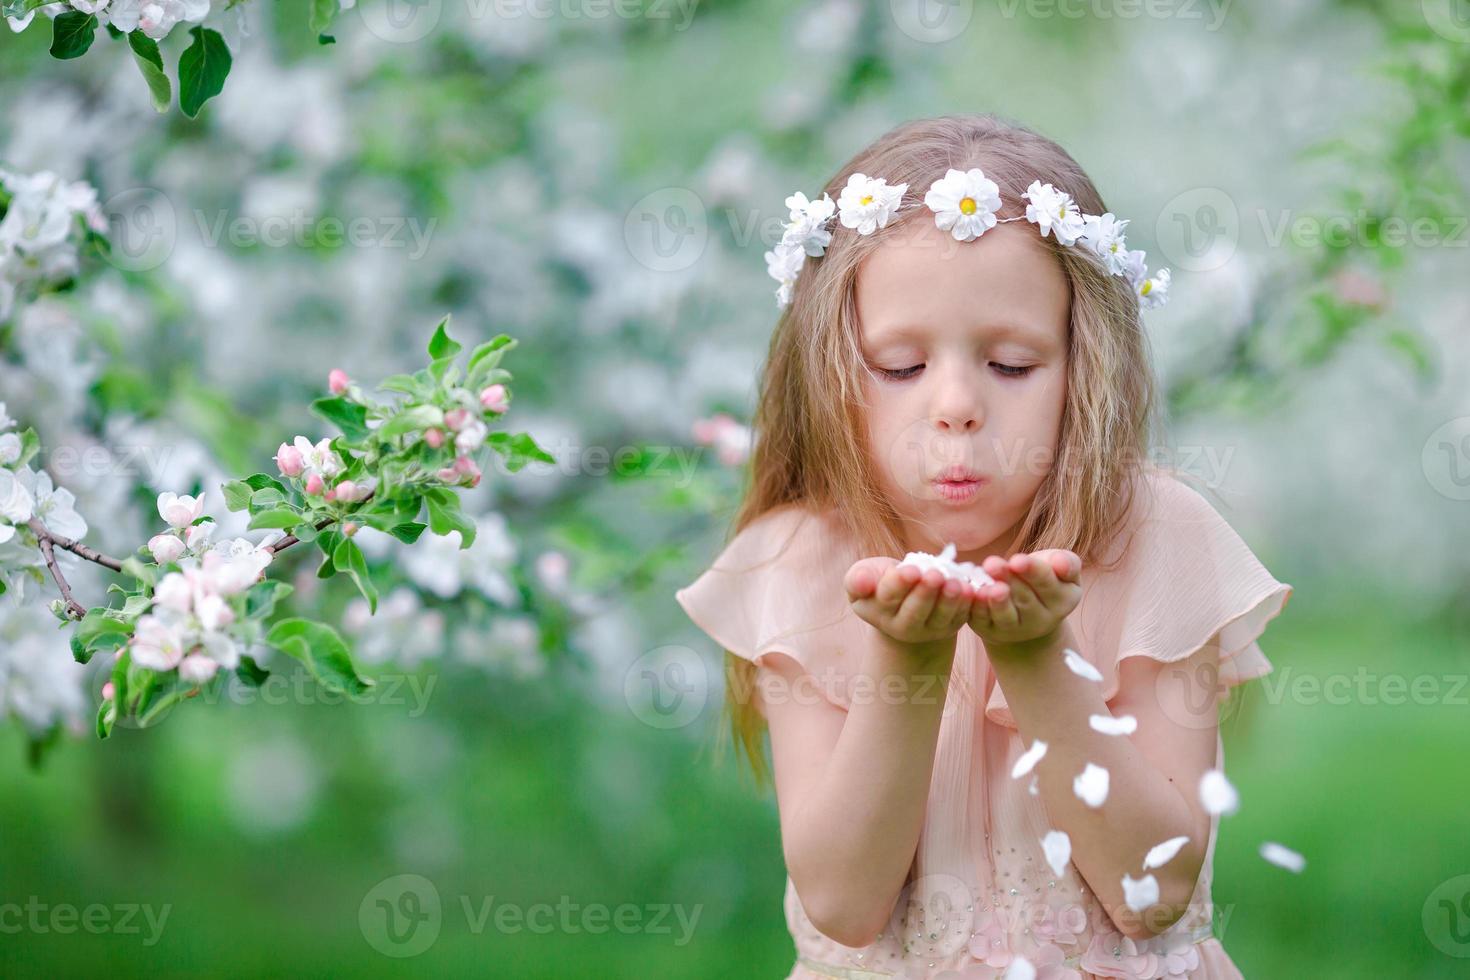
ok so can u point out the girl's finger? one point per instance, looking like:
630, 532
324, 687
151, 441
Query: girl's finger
953, 597
896, 584
920, 601
1003, 612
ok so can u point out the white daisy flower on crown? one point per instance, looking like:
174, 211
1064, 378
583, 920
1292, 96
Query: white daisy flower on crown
808, 225
1104, 235
784, 263
1053, 211
1135, 267
964, 203
866, 203
1154, 293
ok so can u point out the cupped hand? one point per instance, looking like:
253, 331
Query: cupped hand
1031, 596
909, 605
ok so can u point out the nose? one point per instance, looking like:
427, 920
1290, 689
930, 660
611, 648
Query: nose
956, 407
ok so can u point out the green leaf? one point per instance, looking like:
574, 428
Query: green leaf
322, 12
202, 70
98, 628
259, 481
237, 494
348, 557
345, 414
445, 515
277, 518
322, 650
72, 34
407, 532
30, 444
488, 355
327, 542
440, 345
261, 598
150, 63
266, 498
405, 383
416, 419
518, 449
251, 672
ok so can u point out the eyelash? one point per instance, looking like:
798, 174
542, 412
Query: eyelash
903, 374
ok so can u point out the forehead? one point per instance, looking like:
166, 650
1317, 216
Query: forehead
1006, 284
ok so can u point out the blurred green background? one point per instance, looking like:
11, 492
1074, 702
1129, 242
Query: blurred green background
596, 185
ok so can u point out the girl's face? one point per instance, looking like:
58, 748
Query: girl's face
966, 345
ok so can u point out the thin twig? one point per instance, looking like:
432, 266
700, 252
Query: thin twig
75, 547
44, 538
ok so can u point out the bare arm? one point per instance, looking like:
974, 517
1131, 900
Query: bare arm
1153, 774
852, 786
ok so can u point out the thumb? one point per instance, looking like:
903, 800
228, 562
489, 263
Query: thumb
861, 580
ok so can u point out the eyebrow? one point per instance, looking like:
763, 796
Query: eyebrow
1003, 331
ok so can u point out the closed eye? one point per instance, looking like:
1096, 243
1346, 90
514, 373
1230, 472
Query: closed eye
1004, 370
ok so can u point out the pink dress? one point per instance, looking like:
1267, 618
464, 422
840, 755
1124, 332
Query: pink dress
980, 892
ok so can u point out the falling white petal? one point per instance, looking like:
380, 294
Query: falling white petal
1108, 725
1283, 857
1028, 759
1020, 969
1091, 786
1139, 895
1079, 666
1161, 854
1216, 793
1058, 849
1032, 789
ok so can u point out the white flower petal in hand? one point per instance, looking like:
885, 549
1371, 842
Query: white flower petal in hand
1028, 759
1057, 847
1161, 854
1019, 969
1108, 725
1091, 785
1079, 666
1216, 793
1283, 857
960, 571
866, 203
964, 203
1141, 894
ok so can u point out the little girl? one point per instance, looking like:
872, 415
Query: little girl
1008, 773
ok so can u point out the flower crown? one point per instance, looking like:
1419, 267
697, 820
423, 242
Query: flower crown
964, 204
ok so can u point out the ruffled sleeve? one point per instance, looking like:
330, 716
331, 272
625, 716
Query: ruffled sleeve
777, 588
1186, 579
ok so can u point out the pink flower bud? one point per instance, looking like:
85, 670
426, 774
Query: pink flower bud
165, 548
314, 484
289, 460
434, 437
468, 472
344, 491
455, 418
448, 475
337, 381
492, 399
108, 691
349, 528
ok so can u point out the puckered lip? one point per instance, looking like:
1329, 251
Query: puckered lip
959, 474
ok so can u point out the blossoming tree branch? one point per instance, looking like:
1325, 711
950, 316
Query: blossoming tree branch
204, 64
190, 609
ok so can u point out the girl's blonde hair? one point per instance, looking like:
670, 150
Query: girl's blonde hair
811, 444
